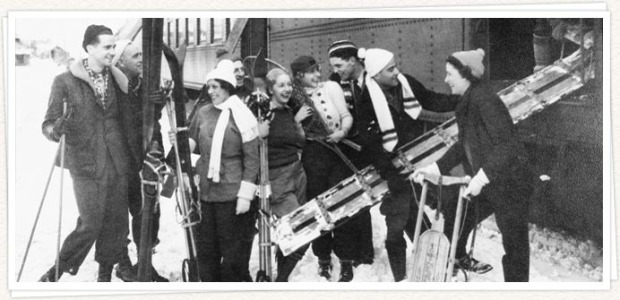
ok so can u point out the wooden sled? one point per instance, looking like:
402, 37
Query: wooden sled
433, 254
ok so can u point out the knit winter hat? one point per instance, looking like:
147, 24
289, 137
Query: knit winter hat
119, 48
92, 33
472, 59
375, 59
224, 71
342, 44
303, 64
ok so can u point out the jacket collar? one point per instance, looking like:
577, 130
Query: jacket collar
77, 69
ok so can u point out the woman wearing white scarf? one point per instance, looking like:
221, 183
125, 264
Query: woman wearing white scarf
226, 135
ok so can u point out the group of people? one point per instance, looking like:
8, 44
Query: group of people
368, 102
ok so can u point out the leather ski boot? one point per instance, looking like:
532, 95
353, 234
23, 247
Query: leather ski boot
125, 271
286, 264
156, 277
398, 260
50, 275
105, 272
346, 271
471, 264
325, 269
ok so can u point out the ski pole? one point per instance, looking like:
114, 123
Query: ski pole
62, 166
36, 219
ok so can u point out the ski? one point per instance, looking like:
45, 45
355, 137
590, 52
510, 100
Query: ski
152, 40
258, 65
187, 192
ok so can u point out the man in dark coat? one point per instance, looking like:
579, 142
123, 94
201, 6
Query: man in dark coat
387, 117
98, 155
128, 59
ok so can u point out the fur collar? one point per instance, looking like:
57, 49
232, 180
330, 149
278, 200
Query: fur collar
78, 70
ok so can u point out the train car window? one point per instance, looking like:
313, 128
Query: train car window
205, 28
229, 24
167, 33
172, 29
192, 24
219, 31
182, 26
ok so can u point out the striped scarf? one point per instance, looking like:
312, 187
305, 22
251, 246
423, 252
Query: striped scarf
382, 110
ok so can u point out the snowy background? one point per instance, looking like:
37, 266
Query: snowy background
556, 257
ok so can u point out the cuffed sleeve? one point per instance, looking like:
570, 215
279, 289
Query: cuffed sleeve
430, 100
247, 190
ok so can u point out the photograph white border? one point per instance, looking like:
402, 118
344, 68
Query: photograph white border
200, 287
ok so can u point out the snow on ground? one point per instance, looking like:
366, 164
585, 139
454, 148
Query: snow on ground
555, 256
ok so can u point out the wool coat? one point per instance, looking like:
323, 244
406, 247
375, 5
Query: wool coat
487, 133
93, 130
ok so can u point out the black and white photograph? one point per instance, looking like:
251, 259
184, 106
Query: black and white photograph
309, 150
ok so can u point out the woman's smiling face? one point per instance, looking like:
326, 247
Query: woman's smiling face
458, 84
282, 89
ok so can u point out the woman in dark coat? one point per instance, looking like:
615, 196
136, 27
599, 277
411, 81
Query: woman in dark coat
491, 153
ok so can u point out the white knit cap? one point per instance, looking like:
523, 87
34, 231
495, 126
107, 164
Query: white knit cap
224, 71
472, 59
119, 48
375, 59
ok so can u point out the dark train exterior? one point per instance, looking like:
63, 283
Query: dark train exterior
565, 141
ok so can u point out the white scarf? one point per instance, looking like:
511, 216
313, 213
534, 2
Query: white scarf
382, 110
246, 122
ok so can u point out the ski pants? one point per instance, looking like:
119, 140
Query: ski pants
218, 239
324, 170
509, 201
400, 210
102, 206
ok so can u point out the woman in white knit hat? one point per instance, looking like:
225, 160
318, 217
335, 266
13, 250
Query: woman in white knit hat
490, 152
226, 135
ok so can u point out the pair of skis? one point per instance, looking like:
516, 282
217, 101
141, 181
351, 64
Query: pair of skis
187, 195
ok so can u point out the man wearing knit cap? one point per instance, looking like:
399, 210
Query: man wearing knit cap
96, 129
128, 59
387, 117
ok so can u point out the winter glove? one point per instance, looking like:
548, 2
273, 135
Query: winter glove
418, 175
263, 128
62, 126
476, 184
243, 205
157, 98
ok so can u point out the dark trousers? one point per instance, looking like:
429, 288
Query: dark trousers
218, 242
135, 209
324, 170
102, 206
509, 202
400, 210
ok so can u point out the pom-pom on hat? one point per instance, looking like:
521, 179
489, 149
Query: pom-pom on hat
92, 33
375, 59
342, 44
473, 59
224, 71
119, 48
